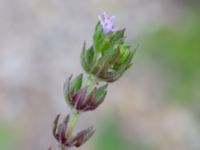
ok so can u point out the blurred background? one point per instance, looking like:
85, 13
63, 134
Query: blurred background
154, 106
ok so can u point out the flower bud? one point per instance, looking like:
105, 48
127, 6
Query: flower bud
83, 98
59, 132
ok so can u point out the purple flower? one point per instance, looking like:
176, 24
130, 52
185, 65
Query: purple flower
106, 23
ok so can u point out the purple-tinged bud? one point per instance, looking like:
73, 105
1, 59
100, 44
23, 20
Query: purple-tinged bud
59, 132
82, 137
83, 99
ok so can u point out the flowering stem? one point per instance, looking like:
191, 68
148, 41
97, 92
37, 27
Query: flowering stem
72, 122
105, 61
91, 82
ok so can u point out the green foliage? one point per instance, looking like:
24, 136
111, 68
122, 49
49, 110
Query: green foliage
101, 91
177, 51
111, 138
6, 137
76, 83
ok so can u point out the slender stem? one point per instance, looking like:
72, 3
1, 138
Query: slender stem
72, 123
91, 82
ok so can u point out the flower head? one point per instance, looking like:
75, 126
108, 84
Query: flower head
106, 23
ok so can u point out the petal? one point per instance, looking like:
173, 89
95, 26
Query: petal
104, 15
112, 18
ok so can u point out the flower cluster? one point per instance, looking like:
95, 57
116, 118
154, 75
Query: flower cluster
109, 56
104, 61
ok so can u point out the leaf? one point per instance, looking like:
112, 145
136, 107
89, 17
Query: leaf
118, 36
101, 91
55, 125
76, 83
125, 55
83, 60
66, 88
98, 36
90, 56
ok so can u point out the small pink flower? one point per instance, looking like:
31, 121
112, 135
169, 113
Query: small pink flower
106, 23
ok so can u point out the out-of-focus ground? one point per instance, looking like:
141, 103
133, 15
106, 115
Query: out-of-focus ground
154, 106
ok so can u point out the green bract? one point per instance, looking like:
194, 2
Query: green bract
109, 56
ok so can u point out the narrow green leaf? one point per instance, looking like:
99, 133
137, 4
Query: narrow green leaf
98, 36
118, 36
76, 83
83, 58
90, 56
101, 91
66, 88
